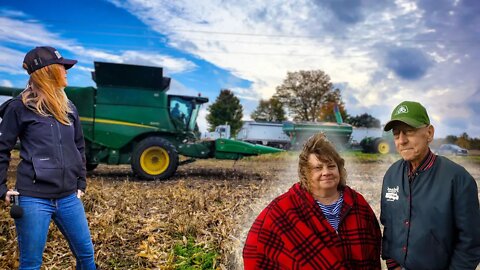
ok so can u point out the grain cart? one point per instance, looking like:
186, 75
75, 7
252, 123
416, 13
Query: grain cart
337, 133
129, 119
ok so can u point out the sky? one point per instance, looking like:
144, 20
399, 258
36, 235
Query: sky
378, 53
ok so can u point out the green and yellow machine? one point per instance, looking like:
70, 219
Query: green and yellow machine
382, 145
299, 132
129, 119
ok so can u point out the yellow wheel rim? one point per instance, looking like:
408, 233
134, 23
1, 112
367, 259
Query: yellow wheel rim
383, 148
154, 160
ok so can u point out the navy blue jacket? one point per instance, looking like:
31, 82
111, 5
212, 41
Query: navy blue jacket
432, 223
52, 154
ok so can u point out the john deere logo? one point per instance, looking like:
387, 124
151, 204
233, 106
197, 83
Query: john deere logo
402, 109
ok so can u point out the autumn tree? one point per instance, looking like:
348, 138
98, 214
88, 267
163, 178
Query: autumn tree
451, 139
463, 141
327, 113
269, 110
364, 120
225, 110
305, 93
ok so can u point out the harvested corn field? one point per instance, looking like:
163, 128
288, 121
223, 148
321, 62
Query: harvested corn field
199, 218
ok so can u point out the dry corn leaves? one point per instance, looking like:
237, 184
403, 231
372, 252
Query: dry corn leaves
136, 224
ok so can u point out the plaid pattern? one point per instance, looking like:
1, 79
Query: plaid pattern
292, 233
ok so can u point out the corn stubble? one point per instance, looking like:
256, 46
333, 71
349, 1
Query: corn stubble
207, 207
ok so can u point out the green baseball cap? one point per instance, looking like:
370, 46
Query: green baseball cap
411, 113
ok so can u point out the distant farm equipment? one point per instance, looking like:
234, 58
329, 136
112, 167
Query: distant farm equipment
382, 145
286, 135
291, 135
129, 119
265, 133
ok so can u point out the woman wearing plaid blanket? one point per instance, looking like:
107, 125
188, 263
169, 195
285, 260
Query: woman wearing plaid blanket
320, 223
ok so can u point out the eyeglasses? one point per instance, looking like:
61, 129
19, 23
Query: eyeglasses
408, 131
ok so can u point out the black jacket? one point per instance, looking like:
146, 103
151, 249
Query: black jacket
52, 154
433, 223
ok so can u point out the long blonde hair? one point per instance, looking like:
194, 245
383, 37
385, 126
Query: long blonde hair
45, 94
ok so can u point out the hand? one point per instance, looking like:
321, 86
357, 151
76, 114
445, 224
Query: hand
80, 193
398, 268
11, 192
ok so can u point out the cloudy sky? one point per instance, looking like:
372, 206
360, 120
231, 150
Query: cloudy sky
377, 52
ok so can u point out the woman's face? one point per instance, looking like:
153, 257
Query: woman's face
324, 175
63, 80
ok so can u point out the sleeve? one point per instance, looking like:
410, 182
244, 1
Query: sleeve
251, 253
377, 236
263, 246
80, 144
391, 264
466, 254
10, 128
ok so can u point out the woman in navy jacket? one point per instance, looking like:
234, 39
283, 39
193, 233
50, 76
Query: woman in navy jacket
51, 173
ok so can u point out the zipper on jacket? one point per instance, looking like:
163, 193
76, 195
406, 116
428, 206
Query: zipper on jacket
61, 152
410, 183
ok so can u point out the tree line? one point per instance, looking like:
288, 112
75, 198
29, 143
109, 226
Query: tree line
304, 96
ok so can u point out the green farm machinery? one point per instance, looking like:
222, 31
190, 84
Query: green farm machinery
382, 145
129, 119
337, 133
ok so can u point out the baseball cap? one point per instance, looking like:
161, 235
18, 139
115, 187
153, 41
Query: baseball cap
409, 112
44, 56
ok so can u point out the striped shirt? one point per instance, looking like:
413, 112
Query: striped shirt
332, 211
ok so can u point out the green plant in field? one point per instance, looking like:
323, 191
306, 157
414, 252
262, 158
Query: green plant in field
192, 256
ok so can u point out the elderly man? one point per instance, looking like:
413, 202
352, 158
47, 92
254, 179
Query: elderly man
429, 204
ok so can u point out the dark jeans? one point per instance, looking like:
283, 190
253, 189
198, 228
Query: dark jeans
32, 229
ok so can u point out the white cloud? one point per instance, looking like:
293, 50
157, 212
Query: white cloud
261, 41
11, 61
6, 83
26, 33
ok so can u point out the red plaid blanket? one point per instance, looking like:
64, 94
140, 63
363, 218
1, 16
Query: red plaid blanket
292, 233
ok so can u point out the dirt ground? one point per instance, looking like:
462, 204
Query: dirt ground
135, 224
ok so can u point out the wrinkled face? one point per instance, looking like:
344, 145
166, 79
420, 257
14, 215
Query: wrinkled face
323, 175
412, 143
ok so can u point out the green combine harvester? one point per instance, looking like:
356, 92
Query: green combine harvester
129, 119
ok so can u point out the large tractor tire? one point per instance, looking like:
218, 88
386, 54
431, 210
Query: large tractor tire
154, 158
366, 145
381, 146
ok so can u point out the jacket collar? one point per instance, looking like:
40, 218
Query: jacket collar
426, 164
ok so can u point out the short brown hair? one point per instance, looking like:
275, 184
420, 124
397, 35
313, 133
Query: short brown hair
324, 150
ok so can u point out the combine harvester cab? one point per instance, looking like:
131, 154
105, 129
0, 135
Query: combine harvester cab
129, 119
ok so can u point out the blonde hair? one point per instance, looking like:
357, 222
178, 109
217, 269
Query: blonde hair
325, 151
45, 95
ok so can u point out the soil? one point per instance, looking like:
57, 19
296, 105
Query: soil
135, 224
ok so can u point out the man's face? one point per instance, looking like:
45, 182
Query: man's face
412, 143
323, 175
